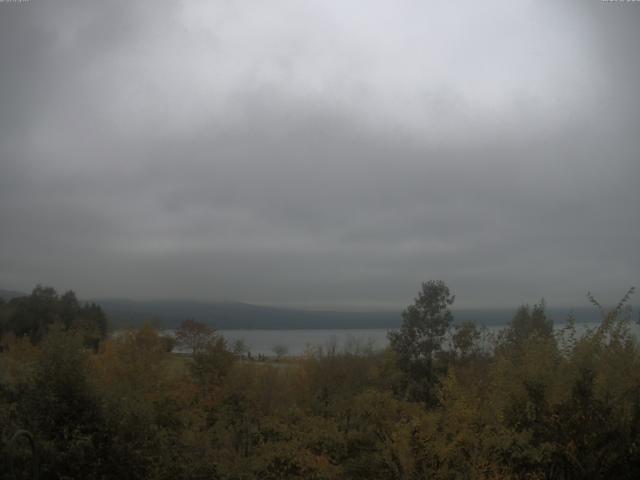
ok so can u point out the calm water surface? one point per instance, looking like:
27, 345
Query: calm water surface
262, 342
296, 342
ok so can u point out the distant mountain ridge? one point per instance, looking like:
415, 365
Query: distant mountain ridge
237, 315
233, 315
9, 294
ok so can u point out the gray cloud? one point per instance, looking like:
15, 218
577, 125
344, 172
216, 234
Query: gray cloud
323, 155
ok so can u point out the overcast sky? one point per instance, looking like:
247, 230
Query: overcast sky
323, 154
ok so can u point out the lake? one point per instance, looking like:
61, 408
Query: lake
262, 342
296, 342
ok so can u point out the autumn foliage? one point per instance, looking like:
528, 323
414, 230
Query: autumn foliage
447, 402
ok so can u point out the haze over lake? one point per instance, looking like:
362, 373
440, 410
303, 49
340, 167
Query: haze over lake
297, 342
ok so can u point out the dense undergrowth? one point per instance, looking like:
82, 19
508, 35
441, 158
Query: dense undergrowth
442, 402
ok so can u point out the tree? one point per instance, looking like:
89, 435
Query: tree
92, 315
618, 309
211, 363
465, 340
280, 350
424, 327
240, 347
529, 322
33, 315
194, 335
61, 409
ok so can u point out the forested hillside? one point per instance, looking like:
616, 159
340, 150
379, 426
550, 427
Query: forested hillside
235, 315
123, 313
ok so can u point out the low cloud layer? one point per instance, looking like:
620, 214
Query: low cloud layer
331, 154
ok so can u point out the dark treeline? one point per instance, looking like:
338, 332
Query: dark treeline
31, 316
444, 401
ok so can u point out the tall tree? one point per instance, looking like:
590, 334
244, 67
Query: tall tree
32, 316
528, 322
194, 335
424, 327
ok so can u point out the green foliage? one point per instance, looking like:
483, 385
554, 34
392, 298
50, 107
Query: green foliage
333, 377
33, 315
420, 338
211, 363
466, 342
61, 408
536, 404
526, 323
